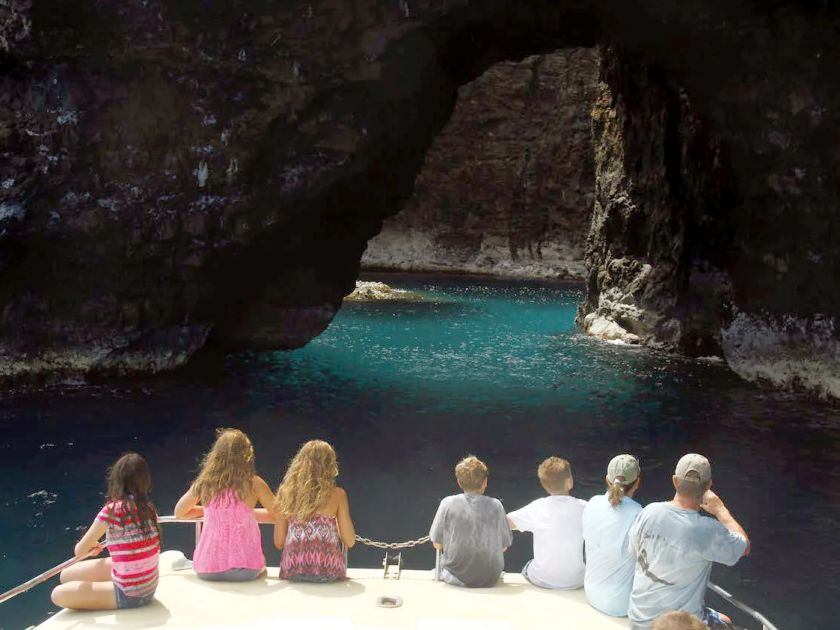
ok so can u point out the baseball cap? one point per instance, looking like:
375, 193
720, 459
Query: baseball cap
692, 462
623, 468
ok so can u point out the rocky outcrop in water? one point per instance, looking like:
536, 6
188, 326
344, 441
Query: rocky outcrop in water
177, 174
369, 291
507, 187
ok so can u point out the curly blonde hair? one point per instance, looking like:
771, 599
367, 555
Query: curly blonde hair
471, 473
229, 465
308, 481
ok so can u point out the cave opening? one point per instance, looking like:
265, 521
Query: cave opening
401, 114
642, 167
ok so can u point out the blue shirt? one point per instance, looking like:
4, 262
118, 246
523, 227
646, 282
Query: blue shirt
675, 549
609, 562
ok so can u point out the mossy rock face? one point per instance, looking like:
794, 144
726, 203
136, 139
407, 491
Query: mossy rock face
178, 174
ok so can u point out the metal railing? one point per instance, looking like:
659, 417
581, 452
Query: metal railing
39, 579
198, 522
726, 595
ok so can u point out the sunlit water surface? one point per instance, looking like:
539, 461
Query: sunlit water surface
403, 391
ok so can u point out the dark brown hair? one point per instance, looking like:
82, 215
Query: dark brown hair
130, 481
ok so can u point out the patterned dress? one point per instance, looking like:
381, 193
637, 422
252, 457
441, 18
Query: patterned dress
313, 552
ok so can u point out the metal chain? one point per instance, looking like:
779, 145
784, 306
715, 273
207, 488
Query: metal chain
392, 545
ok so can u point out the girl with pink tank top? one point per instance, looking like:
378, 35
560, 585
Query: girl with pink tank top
225, 493
313, 517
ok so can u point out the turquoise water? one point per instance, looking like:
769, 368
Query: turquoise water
405, 389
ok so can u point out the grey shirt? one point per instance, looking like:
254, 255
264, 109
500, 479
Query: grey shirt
473, 530
674, 550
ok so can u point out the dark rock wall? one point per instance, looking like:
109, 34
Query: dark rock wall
507, 187
659, 238
741, 247
174, 174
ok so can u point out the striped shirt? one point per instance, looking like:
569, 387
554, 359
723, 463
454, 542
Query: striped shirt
134, 549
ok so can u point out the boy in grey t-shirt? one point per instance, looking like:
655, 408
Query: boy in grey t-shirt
471, 530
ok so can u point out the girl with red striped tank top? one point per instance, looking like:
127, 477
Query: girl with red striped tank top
226, 493
129, 577
313, 517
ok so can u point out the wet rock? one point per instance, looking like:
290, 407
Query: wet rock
366, 291
606, 329
791, 352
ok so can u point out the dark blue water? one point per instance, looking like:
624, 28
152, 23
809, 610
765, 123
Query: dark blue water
403, 391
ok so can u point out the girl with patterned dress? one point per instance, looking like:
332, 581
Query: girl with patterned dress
313, 517
226, 493
129, 577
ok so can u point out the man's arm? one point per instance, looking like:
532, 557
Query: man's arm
713, 505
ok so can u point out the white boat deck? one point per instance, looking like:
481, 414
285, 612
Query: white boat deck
184, 601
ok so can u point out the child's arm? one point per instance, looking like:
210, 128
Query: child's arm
346, 531
265, 497
89, 544
281, 528
187, 506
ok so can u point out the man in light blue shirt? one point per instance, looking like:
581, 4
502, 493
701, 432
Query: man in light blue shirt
606, 524
675, 547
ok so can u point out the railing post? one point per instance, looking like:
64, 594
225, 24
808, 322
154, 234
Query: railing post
197, 532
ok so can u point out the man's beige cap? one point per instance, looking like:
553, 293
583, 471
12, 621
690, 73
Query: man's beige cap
623, 469
694, 463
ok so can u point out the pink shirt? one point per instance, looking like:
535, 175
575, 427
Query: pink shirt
230, 538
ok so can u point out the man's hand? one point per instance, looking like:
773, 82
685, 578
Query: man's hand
712, 503
714, 506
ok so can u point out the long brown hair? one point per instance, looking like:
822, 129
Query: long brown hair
130, 482
308, 481
229, 465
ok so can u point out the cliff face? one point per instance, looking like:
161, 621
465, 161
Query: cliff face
715, 222
659, 236
507, 187
176, 174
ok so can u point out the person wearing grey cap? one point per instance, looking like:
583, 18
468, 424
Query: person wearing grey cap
606, 524
675, 547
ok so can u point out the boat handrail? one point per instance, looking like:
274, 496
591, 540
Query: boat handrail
198, 521
50, 573
39, 579
726, 595
765, 623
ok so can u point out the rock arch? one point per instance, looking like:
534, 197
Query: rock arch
175, 172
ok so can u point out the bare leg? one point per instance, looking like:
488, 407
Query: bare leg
85, 595
98, 570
